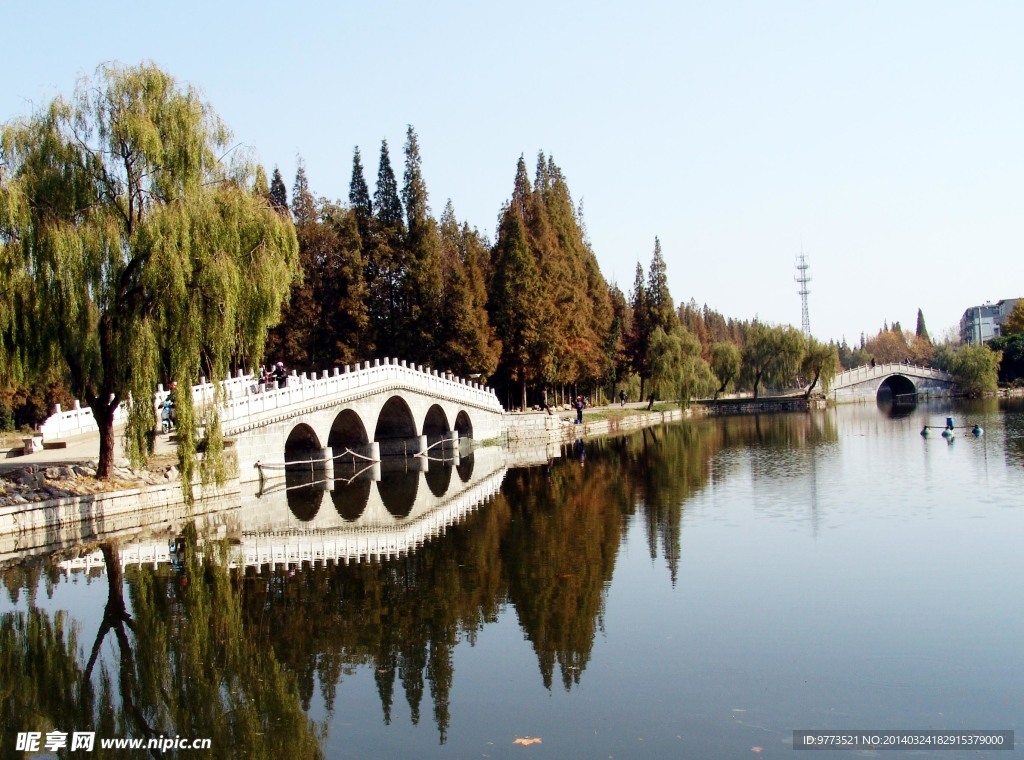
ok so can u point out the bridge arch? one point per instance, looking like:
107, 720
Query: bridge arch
435, 424
396, 426
896, 387
301, 446
347, 431
463, 425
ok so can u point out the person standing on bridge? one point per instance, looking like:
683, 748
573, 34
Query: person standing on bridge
280, 375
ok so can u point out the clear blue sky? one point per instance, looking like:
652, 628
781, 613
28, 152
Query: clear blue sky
885, 139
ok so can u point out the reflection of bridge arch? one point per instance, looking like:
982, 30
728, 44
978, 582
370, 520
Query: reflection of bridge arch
439, 478
465, 467
269, 539
304, 497
350, 499
398, 491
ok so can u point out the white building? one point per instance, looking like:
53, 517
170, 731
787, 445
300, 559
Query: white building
982, 323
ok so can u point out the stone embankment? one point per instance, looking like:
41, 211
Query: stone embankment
34, 483
538, 427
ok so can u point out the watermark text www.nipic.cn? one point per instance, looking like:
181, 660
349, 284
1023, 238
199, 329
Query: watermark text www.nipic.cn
52, 741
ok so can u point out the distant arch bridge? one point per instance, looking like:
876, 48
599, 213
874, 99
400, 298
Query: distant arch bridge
896, 382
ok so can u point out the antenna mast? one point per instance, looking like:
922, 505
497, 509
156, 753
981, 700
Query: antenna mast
802, 278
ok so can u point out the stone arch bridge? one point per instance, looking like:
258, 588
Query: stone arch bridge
354, 414
897, 382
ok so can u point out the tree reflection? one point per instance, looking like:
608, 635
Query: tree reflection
238, 656
184, 668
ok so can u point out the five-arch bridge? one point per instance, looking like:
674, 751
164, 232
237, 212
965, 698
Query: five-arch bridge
893, 381
361, 413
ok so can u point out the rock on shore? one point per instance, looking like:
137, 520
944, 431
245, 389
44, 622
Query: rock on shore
41, 483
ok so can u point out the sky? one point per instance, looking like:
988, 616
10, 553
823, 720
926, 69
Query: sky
883, 139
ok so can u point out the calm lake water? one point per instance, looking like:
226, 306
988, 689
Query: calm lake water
696, 590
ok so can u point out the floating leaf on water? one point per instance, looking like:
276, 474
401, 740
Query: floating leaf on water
526, 741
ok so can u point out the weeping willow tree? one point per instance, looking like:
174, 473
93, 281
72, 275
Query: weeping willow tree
820, 363
132, 249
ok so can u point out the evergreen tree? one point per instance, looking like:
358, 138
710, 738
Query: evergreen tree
466, 343
278, 194
293, 339
303, 202
423, 280
921, 331
615, 345
659, 300
639, 335
344, 295
359, 200
516, 290
386, 263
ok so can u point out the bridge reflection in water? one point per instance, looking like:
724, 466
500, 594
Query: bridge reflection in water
384, 510
352, 519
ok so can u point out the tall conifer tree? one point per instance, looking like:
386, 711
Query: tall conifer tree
639, 335
423, 281
359, 199
516, 290
659, 300
386, 260
278, 193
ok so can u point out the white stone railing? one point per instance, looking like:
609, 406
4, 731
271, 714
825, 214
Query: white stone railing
304, 391
868, 372
79, 420
246, 402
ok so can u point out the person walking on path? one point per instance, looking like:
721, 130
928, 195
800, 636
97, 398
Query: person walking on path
579, 409
622, 397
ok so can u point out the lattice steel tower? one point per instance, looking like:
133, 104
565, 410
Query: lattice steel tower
802, 278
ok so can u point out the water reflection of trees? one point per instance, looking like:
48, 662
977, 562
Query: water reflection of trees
181, 666
402, 617
545, 546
